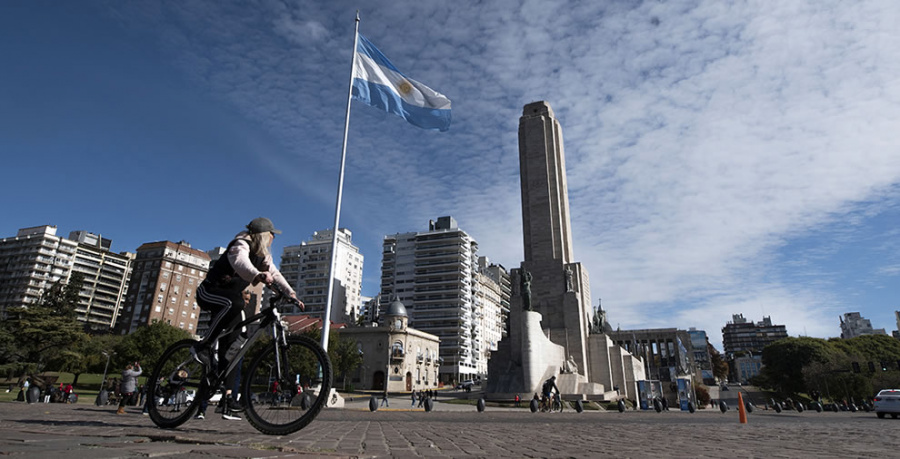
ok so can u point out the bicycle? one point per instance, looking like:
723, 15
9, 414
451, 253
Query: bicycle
297, 367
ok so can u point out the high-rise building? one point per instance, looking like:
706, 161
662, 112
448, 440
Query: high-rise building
853, 325
163, 285
36, 258
106, 278
491, 294
741, 335
306, 267
30, 263
700, 343
435, 274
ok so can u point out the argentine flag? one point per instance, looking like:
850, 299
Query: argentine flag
378, 83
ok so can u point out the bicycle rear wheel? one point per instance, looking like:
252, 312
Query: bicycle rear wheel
282, 405
176, 386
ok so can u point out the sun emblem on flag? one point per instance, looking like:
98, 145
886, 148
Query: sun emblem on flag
404, 87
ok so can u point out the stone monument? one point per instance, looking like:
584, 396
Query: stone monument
550, 317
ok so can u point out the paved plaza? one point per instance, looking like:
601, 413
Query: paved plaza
87, 431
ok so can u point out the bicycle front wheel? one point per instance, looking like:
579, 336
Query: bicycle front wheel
176, 386
286, 387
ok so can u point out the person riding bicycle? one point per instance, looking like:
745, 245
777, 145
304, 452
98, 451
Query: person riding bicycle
547, 390
247, 261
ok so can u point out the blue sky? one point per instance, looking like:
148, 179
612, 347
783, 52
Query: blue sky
723, 157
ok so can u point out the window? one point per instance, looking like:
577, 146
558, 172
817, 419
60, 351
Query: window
190, 326
165, 275
173, 300
162, 287
159, 298
171, 311
158, 309
178, 276
183, 313
185, 303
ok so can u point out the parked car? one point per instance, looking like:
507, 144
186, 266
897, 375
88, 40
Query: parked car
466, 385
887, 402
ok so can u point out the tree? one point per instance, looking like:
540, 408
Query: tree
785, 359
147, 344
344, 354
719, 366
45, 334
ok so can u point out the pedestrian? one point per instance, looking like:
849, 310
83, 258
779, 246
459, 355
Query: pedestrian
413, 399
143, 394
67, 391
517, 400
384, 400
129, 385
421, 398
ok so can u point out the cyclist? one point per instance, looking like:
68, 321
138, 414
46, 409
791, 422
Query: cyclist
247, 261
547, 391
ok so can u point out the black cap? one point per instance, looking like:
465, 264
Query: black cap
262, 225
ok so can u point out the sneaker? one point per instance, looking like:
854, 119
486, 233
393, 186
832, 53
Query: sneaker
231, 417
200, 415
234, 406
200, 354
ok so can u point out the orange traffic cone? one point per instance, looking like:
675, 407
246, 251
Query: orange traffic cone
742, 410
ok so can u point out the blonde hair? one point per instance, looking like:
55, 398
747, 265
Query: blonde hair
259, 243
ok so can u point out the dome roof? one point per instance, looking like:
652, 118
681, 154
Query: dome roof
396, 309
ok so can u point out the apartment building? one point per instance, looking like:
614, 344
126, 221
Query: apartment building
307, 266
435, 273
163, 283
742, 335
36, 258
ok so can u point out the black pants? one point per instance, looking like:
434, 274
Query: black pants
226, 307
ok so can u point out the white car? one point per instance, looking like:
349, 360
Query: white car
888, 402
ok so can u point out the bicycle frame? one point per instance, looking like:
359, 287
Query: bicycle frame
266, 317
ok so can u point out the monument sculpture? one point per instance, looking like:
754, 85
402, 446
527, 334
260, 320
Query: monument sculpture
550, 321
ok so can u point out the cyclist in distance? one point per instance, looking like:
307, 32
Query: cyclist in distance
547, 389
247, 260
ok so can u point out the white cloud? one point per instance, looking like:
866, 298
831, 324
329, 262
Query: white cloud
701, 137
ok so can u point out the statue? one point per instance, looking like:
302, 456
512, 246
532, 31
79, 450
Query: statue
570, 284
569, 366
600, 324
526, 291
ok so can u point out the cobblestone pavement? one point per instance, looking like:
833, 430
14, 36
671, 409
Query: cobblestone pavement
85, 430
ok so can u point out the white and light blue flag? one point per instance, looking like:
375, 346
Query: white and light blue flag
378, 83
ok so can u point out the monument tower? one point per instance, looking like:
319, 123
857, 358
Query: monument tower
560, 287
549, 329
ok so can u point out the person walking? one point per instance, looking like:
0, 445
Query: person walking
384, 400
129, 385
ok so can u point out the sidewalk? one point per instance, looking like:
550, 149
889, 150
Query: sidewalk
84, 430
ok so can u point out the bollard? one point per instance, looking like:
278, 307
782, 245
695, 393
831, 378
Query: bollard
621, 405
657, 405
373, 404
480, 405
742, 411
534, 405
723, 407
429, 405
33, 394
579, 407
748, 406
691, 407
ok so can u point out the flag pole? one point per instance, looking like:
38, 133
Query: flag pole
326, 319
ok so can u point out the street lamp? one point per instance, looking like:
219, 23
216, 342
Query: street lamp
100, 399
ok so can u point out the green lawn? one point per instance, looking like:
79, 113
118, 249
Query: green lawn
87, 388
